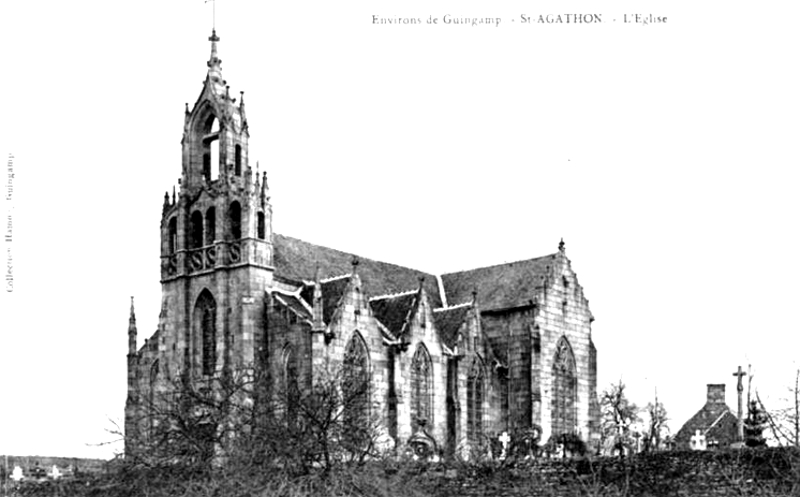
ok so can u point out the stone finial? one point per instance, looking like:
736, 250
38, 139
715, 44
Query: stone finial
561, 247
355, 264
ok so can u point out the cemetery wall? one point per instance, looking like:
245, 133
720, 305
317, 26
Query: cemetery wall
774, 471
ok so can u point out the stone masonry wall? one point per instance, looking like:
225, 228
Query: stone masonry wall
773, 471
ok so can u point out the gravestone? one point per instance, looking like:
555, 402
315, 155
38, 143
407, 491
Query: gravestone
504, 439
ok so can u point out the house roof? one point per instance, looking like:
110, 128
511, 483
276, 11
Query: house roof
394, 310
712, 420
502, 286
448, 321
293, 302
297, 260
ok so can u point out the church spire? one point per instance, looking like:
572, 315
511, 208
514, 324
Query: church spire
132, 331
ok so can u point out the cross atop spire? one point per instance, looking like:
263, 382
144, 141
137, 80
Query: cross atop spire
213, 13
214, 62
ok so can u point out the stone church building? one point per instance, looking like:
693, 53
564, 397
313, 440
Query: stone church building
458, 358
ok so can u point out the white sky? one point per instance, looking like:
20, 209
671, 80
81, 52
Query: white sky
664, 155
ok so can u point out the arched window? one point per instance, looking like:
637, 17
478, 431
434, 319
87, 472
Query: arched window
262, 226
355, 381
211, 225
173, 235
151, 396
289, 380
565, 390
211, 149
421, 387
205, 316
196, 235
238, 160
475, 396
235, 217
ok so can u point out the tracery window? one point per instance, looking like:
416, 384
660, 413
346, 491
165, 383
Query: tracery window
173, 235
206, 316
475, 396
151, 396
421, 386
564, 391
261, 227
355, 381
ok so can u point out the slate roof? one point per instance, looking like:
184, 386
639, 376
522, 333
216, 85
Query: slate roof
294, 304
297, 260
393, 310
448, 321
502, 286
332, 291
715, 420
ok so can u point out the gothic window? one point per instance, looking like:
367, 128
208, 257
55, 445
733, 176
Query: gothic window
211, 149
211, 224
196, 235
235, 216
475, 395
206, 325
564, 391
173, 235
421, 386
151, 399
238, 160
262, 227
289, 379
355, 381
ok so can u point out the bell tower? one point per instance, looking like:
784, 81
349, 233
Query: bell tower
216, 238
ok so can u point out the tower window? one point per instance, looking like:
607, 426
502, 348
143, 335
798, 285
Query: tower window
475, 396
262, 228
236, 220
196, 237
211, 223
211, 151
173, 235
238, 160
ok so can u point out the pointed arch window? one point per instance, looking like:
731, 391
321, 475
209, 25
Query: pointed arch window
355, 381
151, 396
290, 380
475, 396
211, 225
173, 235
262, 226
564, 390
196, 234
235, 219
205, 316
421, 387
211, 157
238, 160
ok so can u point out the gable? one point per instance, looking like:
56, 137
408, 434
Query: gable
448, 322
298, 260
393, 311
502, 286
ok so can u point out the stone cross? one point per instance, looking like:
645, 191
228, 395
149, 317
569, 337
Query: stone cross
504, 439
739, 389
17, 475
698, 441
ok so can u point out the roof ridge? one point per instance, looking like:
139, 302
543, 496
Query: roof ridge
394, 295
455, 306
334, 278
501, 264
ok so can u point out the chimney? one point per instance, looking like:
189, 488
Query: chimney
716, 394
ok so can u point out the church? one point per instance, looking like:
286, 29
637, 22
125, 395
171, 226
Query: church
457, 360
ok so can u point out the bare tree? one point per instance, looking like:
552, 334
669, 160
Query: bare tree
657, 427
618, 414
784, 422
